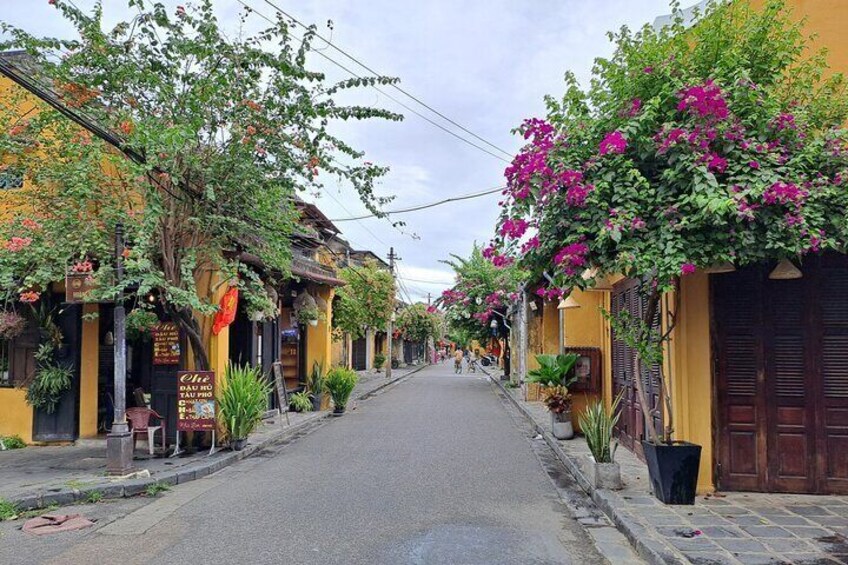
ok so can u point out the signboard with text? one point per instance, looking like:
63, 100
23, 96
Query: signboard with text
77, 287
195, 401
166, 344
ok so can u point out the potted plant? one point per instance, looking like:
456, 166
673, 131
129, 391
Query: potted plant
242, 402
379, 360
309, 314
553, 370
340, 382
558, 401
597, 425
301, 402
315, 385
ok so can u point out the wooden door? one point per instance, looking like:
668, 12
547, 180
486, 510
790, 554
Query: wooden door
359, 354
630, 428
781, 363
62, 424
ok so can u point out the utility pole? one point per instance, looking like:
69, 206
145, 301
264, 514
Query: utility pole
428, 299
119, 447
389, 324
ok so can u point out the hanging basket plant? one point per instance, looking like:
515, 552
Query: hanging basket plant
140, 324
12, 325
310, 315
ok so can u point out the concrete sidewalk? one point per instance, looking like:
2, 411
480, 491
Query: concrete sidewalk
729, 528
37, 477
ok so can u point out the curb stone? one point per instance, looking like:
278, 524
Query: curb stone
609, 502
191, 472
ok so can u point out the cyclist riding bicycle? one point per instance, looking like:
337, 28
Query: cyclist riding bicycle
457, 361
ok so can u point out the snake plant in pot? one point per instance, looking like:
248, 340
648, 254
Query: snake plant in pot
315, 385
242, 402
597, 423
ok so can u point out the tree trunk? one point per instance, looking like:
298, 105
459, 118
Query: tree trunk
189, 324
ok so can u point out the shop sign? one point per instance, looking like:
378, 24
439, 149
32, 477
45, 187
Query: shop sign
195, 401
166, 344
77, 287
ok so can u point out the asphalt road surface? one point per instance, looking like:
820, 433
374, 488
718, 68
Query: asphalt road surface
434, 470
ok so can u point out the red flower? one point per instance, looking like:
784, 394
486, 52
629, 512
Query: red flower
687, 269
30, 296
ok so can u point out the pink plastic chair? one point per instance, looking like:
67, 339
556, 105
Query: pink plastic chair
139, 419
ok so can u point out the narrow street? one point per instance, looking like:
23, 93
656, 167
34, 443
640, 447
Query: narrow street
433, 470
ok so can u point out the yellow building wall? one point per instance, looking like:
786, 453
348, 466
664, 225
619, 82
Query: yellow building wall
688, 363
89, 365
319, 341
584, 327
15, 414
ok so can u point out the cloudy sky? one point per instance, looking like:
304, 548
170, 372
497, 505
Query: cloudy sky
486, 64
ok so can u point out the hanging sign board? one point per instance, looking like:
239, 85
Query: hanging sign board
166, 344
77, 287
195, 401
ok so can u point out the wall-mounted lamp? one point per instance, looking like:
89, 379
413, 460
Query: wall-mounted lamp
785, 270
567, 303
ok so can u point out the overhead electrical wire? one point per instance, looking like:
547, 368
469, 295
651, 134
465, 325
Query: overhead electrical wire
378, 89
396, 87
423, 206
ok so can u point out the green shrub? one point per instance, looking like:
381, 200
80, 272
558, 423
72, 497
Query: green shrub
340, 383
597, 424
243, 400
94, 497
12, 442
554, 370
379, 359
301, 402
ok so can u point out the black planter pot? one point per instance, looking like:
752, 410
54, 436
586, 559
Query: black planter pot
673, 470
238, 444
338, 410
316, 401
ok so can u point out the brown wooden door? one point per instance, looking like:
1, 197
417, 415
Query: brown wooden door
630, 429
781, 362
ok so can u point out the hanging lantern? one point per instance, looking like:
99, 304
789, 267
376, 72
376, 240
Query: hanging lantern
718, 268
567, 303
785, 270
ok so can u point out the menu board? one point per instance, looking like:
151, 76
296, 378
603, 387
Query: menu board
166, 344
195, 401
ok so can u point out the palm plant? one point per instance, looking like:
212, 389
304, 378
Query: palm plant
340, 382
243, 401
554, 370
597, 425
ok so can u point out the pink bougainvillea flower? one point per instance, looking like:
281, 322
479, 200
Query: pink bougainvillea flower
784, 193
614, 142
513, 228
754, 164
704, 100
716, 163
532, 243
648, 70
687, 269
571, 257
638, 223
576, 194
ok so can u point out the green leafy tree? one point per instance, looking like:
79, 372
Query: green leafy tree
721, 142
418, 323
216, 134
366, 300
481, 289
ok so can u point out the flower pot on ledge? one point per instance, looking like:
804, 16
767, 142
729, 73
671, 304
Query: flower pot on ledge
673, 470
603, 475
561, 425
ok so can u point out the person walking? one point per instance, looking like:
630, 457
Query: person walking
472, 361
457, 361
